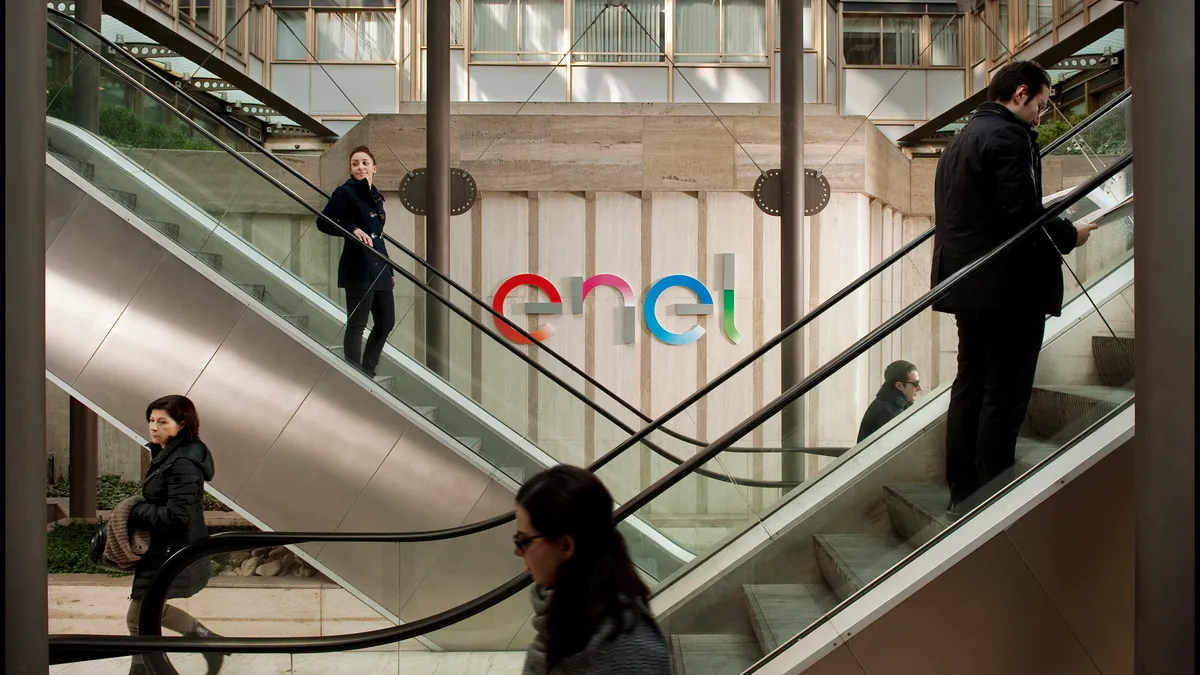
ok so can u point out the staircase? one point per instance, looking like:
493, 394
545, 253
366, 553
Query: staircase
848, 561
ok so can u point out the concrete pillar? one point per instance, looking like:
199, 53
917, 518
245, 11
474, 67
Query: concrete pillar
437, 150
791, 222
1161, 53
25, 607
84, 460
86, 82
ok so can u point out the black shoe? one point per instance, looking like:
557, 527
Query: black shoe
954, 511
214, 660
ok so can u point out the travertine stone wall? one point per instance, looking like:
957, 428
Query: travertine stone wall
640, 191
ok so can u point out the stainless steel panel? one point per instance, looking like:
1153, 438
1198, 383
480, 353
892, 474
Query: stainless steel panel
276, 372
61, 199
467, 567
420, 486
95, 266
324, 458
987, 615
161, 343
1080, 546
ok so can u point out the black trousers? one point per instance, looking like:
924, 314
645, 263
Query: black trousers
381, 307
997, 357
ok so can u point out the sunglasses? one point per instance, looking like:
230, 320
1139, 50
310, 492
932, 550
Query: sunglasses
523, 542
916, 384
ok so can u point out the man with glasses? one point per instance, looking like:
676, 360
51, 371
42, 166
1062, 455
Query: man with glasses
988, 187
901, 382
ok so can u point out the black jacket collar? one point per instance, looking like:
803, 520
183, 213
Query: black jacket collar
889, 394
992, 109
364, 189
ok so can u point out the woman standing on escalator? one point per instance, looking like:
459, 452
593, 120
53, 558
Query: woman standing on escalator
591, 610
366, 277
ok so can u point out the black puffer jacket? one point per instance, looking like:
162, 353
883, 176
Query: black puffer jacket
988, 187
173, 512
356, 204
889, 402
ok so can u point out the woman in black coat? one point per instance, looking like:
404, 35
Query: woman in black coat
367, 278
173, 514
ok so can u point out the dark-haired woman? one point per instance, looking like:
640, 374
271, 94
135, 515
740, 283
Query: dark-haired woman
173, 514
367, 279
591, 609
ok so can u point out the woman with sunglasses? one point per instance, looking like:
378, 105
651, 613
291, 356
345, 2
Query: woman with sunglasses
591, 609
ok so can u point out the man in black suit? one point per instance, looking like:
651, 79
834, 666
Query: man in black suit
901, 382
987, 188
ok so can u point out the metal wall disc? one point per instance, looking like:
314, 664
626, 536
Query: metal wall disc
768, 192
463, 191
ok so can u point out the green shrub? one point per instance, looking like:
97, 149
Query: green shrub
111, 490
67, 548
1104, 137
124, 128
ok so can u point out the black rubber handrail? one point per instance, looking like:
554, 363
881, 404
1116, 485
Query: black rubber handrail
73, 647
463, 314
659, 423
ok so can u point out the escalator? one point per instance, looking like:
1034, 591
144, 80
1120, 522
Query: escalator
811, 556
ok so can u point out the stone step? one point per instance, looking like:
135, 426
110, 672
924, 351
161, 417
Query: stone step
918, 512
1065, 411
713, 654
780, 611
85, 169
850, 561
1114, 359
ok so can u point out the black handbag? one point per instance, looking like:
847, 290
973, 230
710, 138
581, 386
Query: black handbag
96, 552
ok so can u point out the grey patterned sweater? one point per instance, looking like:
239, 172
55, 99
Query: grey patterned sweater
640, 650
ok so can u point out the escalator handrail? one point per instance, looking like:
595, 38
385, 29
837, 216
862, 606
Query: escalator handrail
154, 73
463, 314
658, 424
155, 598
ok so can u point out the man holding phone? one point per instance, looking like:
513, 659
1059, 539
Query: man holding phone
988, 187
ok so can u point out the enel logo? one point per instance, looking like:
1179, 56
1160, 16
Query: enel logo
581, 288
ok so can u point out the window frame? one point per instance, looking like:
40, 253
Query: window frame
721, 54
931, 21
518, 53
922, 39
665, 39
357, 12
309, 26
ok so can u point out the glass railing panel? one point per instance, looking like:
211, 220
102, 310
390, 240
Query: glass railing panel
810, 556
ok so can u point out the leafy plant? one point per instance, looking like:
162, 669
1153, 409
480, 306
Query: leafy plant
1106, 136
111, 490
67, 548
122, 127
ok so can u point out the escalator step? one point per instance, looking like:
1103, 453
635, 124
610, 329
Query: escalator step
1114, 359
918, 512
126, 199
259, 291
1067, 410
213, 260
713, 654
1031, 451
780, 611
473, 443
85, 169
516, 473
428, 412
297, 320
169, 229
851, 561
385, 381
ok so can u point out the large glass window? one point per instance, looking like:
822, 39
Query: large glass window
254, 31
809, 29
290, 29
616, 37
946, 44
456, 19
1039, 17
721, 31
356, 36
198, 13
518, 30
233, 29
875, 40
978, 37
1000, 40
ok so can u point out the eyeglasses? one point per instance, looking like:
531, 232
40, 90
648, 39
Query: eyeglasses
916, 385
522, 542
